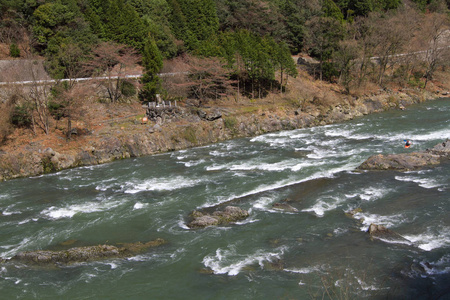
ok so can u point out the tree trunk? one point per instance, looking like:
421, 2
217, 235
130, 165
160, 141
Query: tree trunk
69, 127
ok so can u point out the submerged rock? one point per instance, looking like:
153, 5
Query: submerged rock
229, 215
82, 254
284, 206
408, 161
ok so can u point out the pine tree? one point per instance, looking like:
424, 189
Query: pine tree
152, 61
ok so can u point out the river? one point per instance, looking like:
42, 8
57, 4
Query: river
314, 252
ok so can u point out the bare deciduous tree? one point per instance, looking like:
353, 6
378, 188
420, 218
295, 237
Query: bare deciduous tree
209, 79
111, 62
5, 119
436, 37
345, 59
176, 75
363, 32
391, 32
39, 95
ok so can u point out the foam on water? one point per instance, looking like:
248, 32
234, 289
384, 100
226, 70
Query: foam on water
69, 211
327, 173
387, 221
441, 266
27, 221
6, 212
366, 286
193, 163
160, 184
261, 188
373, 193
283, 138
231, 263
430, 136
426, 183
307, 270
319, 153
431, 239
325, 204
339, 132
13, 249
217, 153
139, 205
262, 203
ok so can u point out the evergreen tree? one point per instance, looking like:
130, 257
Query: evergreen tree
178, 21
116, 20
330, 9
295, 24
153, 62
202, 23
284, 63
55, 23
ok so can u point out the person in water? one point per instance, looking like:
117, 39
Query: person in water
407, 144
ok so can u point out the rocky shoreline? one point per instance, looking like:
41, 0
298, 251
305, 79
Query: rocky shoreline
201, 130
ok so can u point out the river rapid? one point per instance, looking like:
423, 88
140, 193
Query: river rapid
317, 252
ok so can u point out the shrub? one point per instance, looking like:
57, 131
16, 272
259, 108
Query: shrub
231, 124
329, 71
14, 51
127, 89
56, 110
189, 135
21, 116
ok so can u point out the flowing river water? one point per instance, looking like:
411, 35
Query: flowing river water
318, 250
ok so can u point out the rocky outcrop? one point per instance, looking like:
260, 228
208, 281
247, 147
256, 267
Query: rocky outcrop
210, 115
408, 161
83, 254
229, 215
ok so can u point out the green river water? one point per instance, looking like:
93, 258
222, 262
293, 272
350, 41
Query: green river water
316, 253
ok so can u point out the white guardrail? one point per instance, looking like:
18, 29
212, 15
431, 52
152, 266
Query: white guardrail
41, 82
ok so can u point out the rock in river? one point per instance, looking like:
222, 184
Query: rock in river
408, 161
229, 215
82, 254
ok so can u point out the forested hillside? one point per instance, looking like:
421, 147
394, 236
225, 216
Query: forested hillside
227, 46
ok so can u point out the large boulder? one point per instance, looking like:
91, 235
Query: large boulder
408, 161
229, 215
82, 254
400, 162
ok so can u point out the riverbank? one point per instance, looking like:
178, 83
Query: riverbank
121, 135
